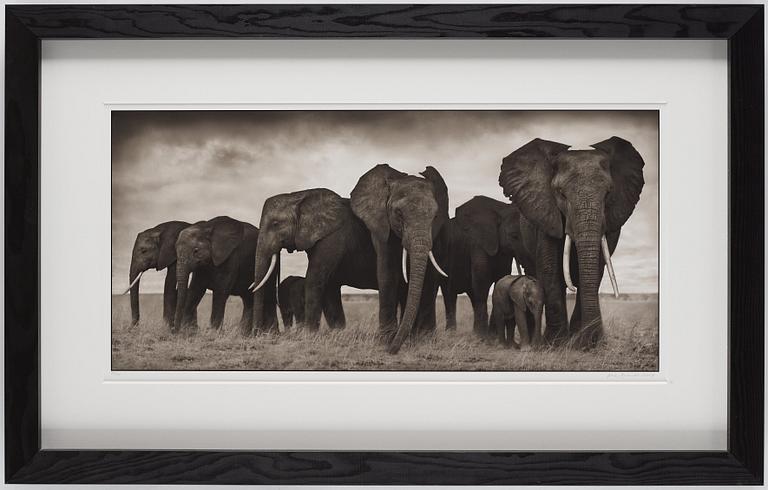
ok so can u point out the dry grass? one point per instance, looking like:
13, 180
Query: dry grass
631, 343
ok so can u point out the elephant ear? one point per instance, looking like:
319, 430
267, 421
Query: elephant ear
169, 233
319, 213
441, 196
526, 177
626, 166
226, 235
370, 196
480, 224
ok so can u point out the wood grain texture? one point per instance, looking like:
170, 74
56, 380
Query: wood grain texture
384, 21
384, 468
746, 260
22, 246
742, 25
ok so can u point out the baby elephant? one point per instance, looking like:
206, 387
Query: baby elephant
290, 298
518, 300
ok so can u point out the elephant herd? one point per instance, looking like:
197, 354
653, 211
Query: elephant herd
394, 235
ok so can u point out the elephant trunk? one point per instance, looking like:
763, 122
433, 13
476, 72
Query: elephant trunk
134, 277
182, 278
419, 255
588, 252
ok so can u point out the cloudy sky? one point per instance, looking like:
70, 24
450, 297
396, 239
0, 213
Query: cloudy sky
195, 165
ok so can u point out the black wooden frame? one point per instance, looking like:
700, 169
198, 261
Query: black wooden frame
741, 25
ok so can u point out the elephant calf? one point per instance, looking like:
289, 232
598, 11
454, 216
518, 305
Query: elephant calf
290, 299
518, 300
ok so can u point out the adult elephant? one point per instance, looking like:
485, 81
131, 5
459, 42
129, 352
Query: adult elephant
338, 247
480, 244
576, 198
219, 254
155, 248
404, 215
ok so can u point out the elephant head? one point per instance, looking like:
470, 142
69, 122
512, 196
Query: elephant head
411, 208
204, 244
491, 226
581, 195
153, 248
295, 221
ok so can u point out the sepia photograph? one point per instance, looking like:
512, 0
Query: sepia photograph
385, 240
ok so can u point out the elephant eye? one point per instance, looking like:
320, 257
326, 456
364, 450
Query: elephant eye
195, 250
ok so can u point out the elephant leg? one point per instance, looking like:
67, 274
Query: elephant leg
217, 308
575, 323
479, 302
314, 292
533, 332
285, 313
333, 309
535, 324
509, 329
522, 327
170, 296
480, 316
246, 321
426, 318
473, 302
449, 300
480, 285
298, 315
549, 268
323, 264
194, 296
269, 315
496, 324
387, 277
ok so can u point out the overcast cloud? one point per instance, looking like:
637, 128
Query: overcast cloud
195, 165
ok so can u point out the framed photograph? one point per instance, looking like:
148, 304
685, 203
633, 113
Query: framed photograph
380, 257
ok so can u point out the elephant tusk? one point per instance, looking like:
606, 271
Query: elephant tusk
189, 281
567, 263
519, 270
434, 263
609, 265
405, 265
266, 276
134, 282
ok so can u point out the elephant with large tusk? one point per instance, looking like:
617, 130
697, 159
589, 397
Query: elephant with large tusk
155, 248
404, 215
573, 199
338, 246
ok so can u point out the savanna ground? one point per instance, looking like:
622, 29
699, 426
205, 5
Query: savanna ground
630, 344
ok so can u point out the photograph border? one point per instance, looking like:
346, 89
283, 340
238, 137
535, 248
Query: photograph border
741, 25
